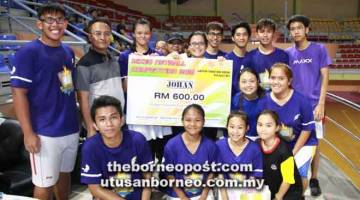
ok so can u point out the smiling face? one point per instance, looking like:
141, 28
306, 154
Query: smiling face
266, 127
108, 122
248, 84
279, 81
142, 34
214, 38
236, 128
53, 26
265, 35
197, 46
193, 122
241, 37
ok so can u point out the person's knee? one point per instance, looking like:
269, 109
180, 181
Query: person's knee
43, 193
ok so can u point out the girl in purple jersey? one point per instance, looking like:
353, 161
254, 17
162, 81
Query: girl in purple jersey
248, 98
237, 149
295, 115
190, 147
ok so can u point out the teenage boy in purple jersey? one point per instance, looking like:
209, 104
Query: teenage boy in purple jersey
263, 57
309, 62
45, 105
240, 35
214, 35
112, 146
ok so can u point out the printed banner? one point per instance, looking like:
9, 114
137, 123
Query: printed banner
159, 88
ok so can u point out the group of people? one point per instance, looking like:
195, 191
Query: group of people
278, 103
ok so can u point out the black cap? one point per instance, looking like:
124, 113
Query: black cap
175, 36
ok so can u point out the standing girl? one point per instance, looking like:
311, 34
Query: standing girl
295, 115
142, 35
190, 148
247, 100
237, 149
280, 171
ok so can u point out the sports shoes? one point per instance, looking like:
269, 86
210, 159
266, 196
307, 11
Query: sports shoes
315, 187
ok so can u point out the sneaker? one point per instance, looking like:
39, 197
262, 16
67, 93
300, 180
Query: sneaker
315, 187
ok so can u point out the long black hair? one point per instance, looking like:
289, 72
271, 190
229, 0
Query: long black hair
260, 92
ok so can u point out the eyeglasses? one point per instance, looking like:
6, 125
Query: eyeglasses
197, 44
99, 34
212, 34
51, 20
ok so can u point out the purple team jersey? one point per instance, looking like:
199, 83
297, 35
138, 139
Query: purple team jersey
176, 152
295, 116
251, 155
262, 63
306, 65
48, 73
214, 56
96, 157
250, 107
239, 63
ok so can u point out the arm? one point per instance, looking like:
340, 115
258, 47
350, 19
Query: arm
83, 97
223, 191
124, 84
206, 190
179, 192
102, 193
284, 187
304, 136
21, 105
146, 193
320, 107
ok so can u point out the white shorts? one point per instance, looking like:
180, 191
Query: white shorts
303, 159
319, 129
57, 154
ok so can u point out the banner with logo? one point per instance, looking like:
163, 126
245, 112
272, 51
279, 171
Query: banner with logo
159, 88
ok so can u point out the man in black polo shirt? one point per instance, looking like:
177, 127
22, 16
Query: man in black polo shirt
98, 72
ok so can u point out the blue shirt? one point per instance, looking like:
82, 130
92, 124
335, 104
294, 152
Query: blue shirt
251, 155
250, 107
39, 68
96, 156
214, 56
306, 66
296, 116
238, 64
262, 63
176, 152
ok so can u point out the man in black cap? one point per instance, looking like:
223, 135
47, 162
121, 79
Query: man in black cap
175, 42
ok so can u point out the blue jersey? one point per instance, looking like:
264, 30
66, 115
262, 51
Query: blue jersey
296, 115
306, 66
262, 63
176, 152
47, 73
96, 157
124, 59
251, 155
214, 56
250, 107
238, 64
